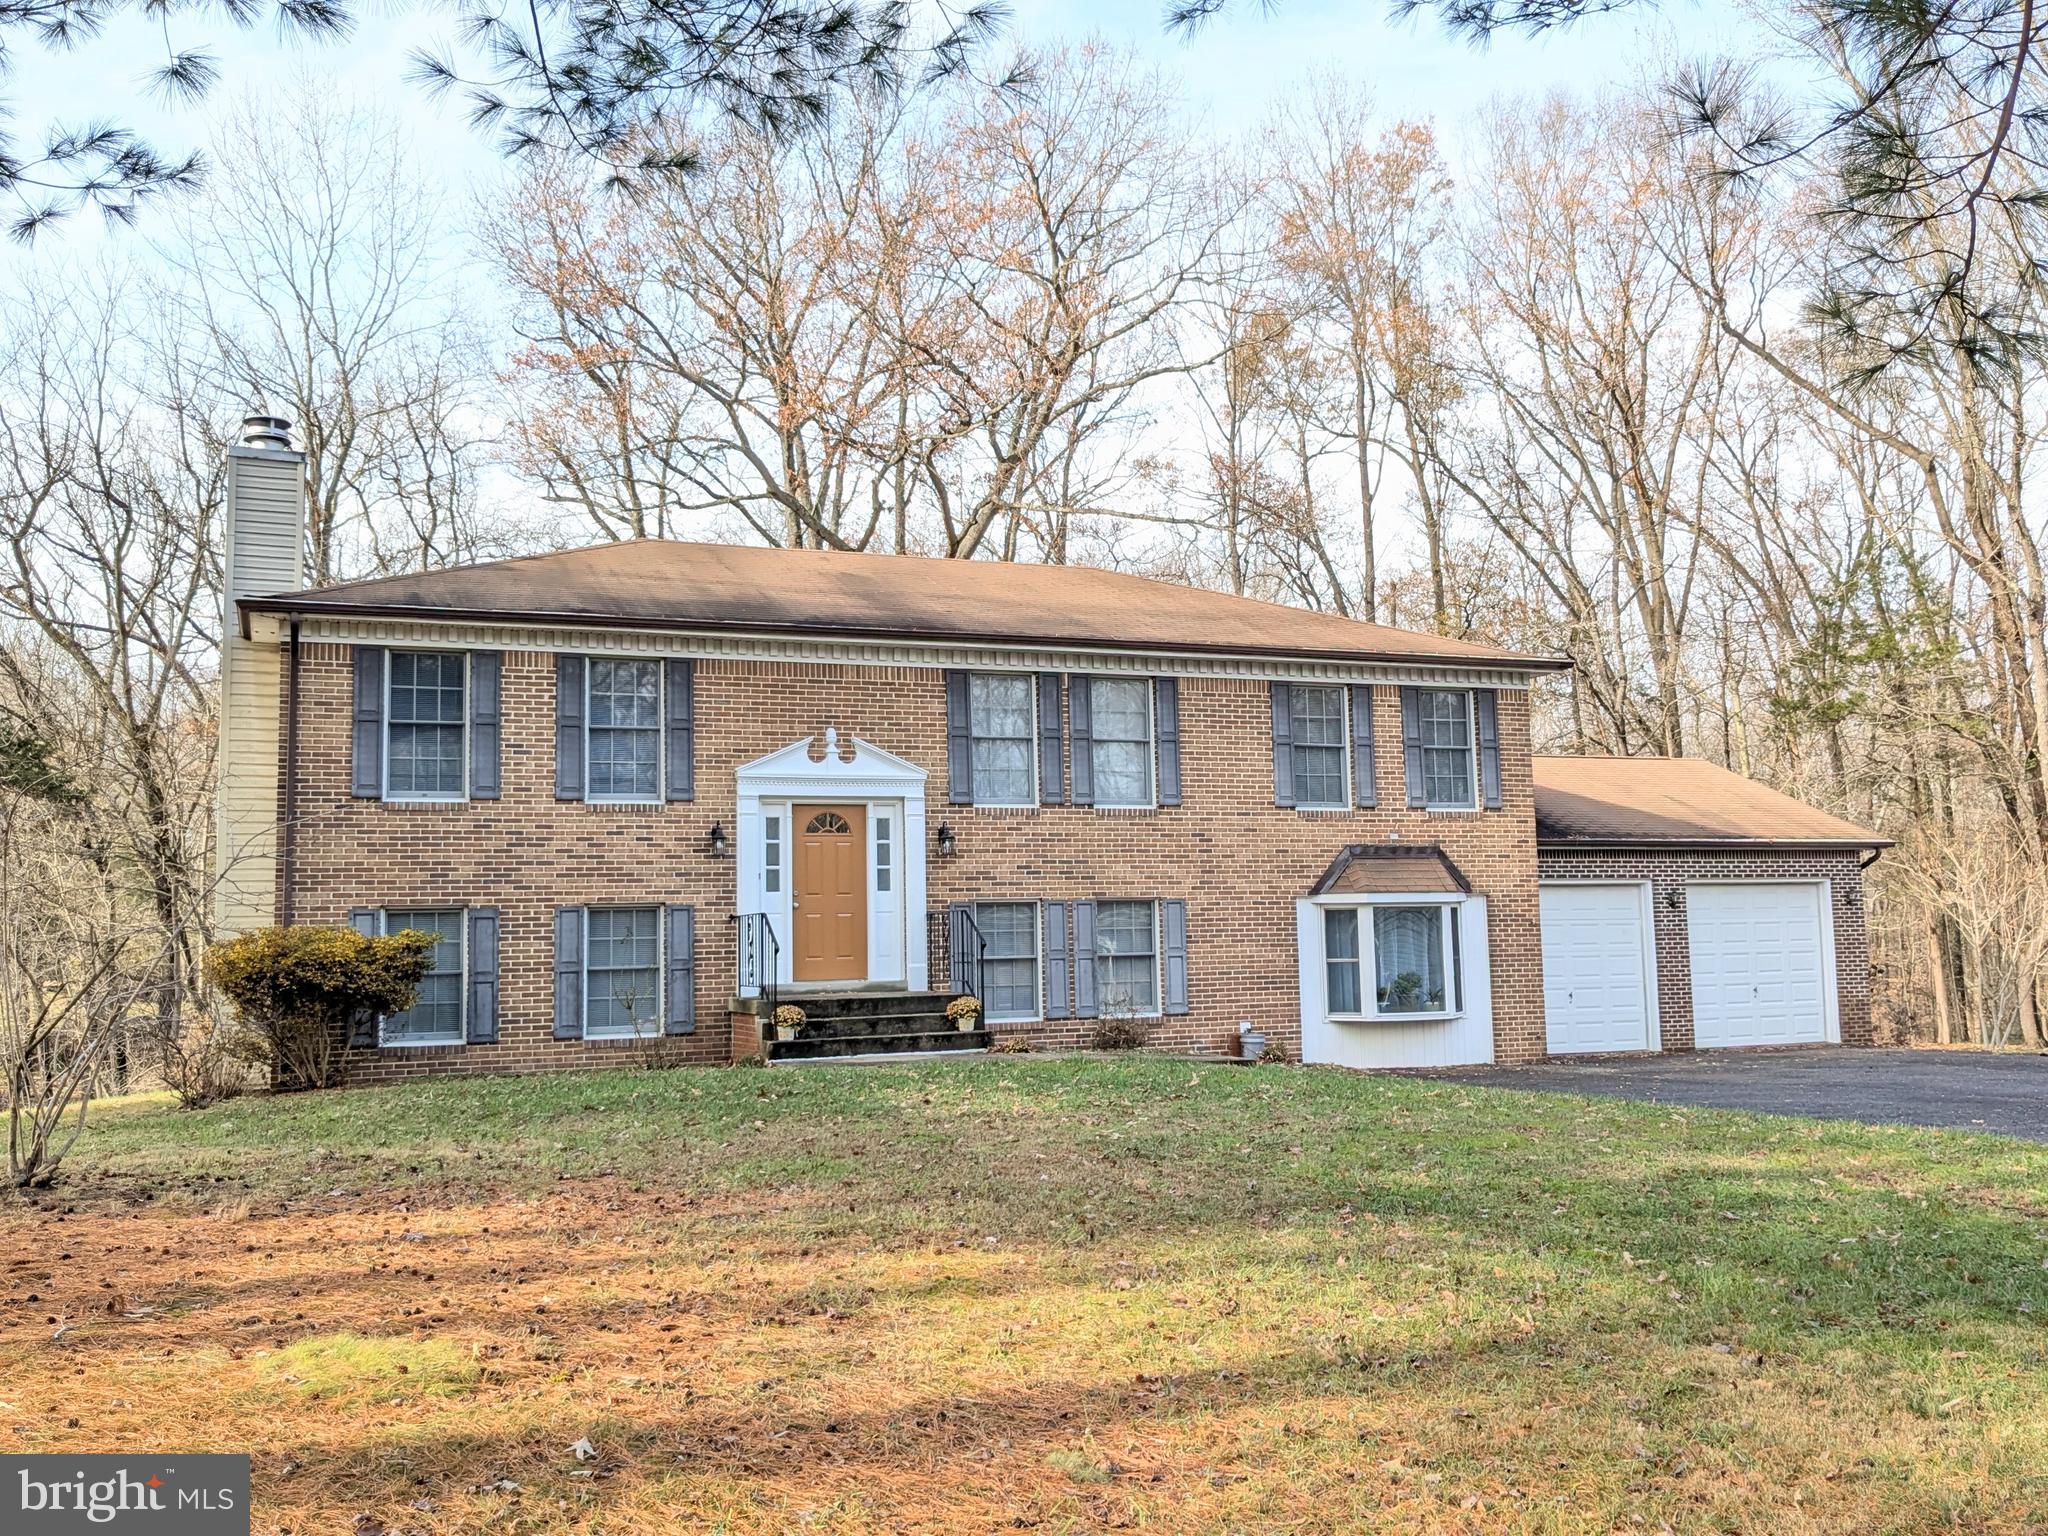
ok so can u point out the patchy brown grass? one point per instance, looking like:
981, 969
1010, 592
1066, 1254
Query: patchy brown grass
1058, 1296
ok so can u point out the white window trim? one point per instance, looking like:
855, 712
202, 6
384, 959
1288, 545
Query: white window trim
1031, 741
468, 708
1348, 783
1158, 955
660, 971
1151, 802
1037, 1014
1368, 966
659, 797
461, 992
1471, 756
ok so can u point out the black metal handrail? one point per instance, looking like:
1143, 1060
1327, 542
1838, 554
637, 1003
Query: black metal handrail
759, 958
967, 950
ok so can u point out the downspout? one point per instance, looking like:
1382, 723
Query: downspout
1871, 858
286, 860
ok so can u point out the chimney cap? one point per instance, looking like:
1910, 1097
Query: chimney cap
261, 430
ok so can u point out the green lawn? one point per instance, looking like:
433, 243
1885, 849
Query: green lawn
1057, 1295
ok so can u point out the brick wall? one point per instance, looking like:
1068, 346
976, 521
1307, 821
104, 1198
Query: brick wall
1237, 860
1669, 873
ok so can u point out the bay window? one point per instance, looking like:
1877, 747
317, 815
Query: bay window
1393, 960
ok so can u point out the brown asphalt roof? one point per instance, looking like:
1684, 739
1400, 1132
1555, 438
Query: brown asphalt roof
1649, 802
1391, 869
664, 582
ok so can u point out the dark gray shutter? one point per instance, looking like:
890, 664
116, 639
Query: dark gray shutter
366, 776
1486, 713
1084, 959
681, 675
681, 1018
1173, 929
1059, 963
959, 944
1081, 728
1052, 786
1411, 746
363, 1029
1166, 726
483, 975
569, 722
486, 679
568, 973
959, 742
1283, 744
1365, 792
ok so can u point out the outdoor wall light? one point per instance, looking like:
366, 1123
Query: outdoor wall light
947, 847
1672, 897
717, 841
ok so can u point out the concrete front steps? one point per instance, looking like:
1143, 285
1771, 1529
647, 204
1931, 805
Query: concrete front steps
839, 1025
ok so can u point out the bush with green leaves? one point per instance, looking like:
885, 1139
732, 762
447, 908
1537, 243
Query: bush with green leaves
298, 991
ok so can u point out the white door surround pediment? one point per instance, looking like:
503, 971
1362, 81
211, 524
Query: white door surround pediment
850, 770
866, 769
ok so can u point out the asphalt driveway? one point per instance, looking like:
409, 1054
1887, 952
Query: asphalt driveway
2005, 1092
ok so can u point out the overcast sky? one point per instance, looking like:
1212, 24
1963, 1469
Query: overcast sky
1233, 70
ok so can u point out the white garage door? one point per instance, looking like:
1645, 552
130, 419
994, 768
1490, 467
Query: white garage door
1595, 991
1758, 973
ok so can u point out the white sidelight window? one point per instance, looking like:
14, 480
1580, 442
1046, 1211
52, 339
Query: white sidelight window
1002, 714
1449, 767
1392, 960
435, 1017
1127, 958
1009, 969
426, 742
1121, 749
622, 973
624, 735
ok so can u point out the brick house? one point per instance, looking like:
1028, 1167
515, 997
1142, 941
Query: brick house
642, 791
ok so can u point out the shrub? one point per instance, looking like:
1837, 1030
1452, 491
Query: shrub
1119, 1034
298, 991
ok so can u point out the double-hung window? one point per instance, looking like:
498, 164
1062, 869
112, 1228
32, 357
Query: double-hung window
1320, 782
426, 742
1449, 776
1120, 751
435, 1018
1002, 729
1127, 958
622, 973
625, 730
1009, 968
1392, 960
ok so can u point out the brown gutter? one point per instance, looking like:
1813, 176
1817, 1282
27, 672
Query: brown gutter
1712, 844
286, 909
1507, 660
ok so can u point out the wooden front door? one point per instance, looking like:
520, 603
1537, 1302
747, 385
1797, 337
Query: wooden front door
829, 893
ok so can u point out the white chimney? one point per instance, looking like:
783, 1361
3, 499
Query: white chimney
262, 553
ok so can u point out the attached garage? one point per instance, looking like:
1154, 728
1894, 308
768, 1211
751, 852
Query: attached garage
1684, 906
1759, 964
1599, 982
